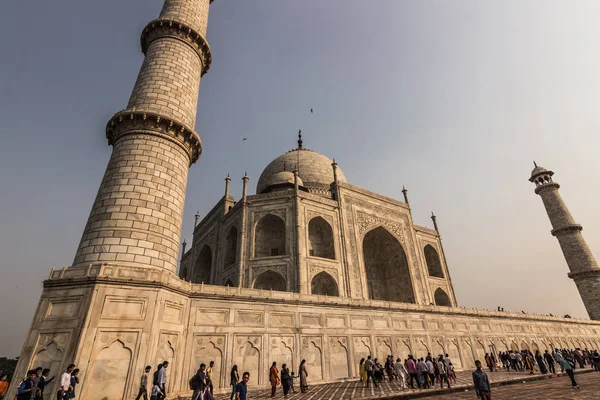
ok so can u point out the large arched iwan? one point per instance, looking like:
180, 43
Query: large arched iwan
441, 298
386, 267
270, 280
320, 238
324, 284
269, 237
434, 266
203, 265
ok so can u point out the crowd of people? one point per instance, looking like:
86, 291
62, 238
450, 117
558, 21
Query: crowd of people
412, 373
424, 372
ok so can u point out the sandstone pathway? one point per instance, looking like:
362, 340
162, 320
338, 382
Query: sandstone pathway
353, 391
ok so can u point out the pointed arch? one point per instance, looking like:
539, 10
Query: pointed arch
434, 265
203, 265
386, 267
51, 356
270, 280
269, 237
441, 298
111, 364
320, 239
323, 283
231, 243
228, 283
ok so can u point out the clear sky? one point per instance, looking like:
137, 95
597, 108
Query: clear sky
453, 99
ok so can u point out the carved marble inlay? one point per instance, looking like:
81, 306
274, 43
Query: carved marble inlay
281, 213
366, 221
280, 269
315, 269
310, 214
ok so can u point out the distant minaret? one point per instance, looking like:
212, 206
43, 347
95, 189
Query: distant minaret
137, 215
581, 261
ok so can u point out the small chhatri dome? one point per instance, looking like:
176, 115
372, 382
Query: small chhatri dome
539, 171
314, 170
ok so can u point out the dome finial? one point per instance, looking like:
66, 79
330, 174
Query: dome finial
284, 166
534, 164
299, 139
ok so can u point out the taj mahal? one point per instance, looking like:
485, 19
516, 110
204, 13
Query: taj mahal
310, 266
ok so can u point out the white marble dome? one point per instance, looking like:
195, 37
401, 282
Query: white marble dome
314, 169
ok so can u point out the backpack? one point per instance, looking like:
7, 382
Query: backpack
155, 379
194, 382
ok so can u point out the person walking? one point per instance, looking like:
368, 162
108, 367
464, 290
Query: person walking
411, 368
209, 375
401, 373
481, 383
200, 383
528, 362
27, 389
162, 379
65, 383
451, 374
430, 372
42, 383
550, 361
274, 378
241, 390
285, 379
370, 369
304, 376
3, 385
540, 361
234, 379
422, 373
567, 366
156, 393
143, 392
74, 382
362, 372
488, 362
443, 372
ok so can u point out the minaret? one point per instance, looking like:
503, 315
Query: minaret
137, 215
581, 262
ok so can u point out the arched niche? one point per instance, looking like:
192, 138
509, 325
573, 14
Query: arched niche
269, 237
228, 283
231, 246
441, 298
386, 267
434, 266
320, 239
270, 280
203, 265
324, 284
109, 372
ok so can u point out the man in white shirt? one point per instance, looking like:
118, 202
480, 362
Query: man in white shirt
162, 379
65, 383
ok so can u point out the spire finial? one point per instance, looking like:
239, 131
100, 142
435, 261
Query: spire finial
405, 193
534, 163
284, 166
299, 139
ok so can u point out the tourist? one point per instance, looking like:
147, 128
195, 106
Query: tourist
274, 378
443, 372
596, 360
377, 372
369, 368
451, 374
540, 361
422, 373
528, 362
304, 376
27, 388
36, 381
156, 380
209, 375
162, 379
430, 372
241, 389
65, 383
488, 362
42, 383
234, 379
156, 393
411, 367
447, 360
292, 377
481, 383
568, 366
362, 372
74, 382
389, 367
200, 383
550, 361
285, 379
557, 357
401, 373
3, 385
144, 384
519, 359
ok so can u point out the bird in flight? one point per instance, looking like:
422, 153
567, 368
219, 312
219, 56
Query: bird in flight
244, 139
311, 111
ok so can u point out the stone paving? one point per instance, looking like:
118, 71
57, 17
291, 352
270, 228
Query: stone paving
558, 387
352, 390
